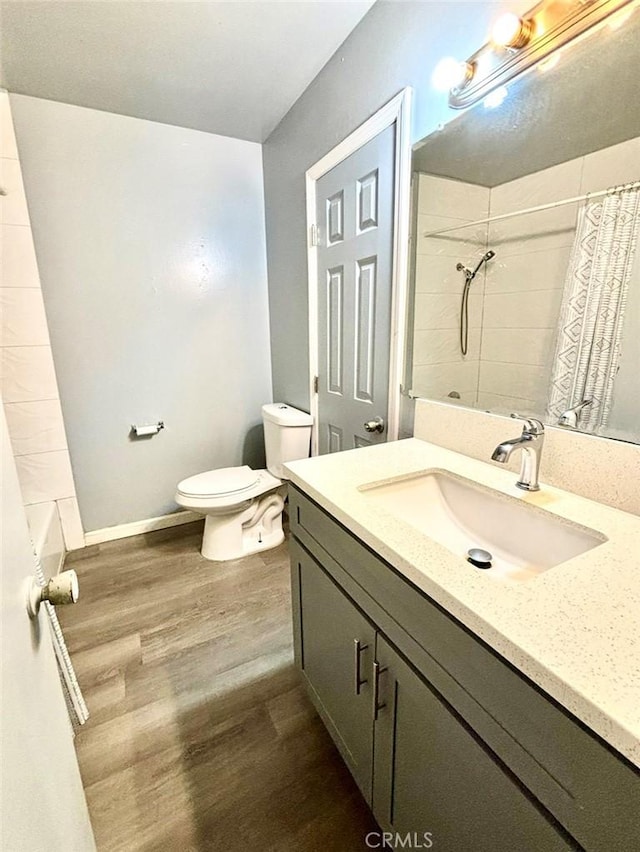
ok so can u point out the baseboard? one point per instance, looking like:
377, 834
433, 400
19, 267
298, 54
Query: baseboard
139, 527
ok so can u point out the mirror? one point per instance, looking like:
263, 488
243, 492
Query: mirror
535, 312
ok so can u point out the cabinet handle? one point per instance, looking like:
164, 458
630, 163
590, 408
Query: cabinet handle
377, 705
358, 680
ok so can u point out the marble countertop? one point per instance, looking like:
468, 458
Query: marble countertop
573, 629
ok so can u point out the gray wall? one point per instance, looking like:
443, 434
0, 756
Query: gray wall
151, 247
396, 44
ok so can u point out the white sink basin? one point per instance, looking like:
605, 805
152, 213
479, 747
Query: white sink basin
460, 514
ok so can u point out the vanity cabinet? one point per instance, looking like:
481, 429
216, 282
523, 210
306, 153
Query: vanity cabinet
336, 646
441, 734
432, 774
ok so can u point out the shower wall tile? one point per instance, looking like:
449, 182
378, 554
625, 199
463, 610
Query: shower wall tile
35, 427
611, 166
536, 232
506, 405
18, 267
444, 197
523, 290
439, 380
531, 309
8, 147
22, 317
518, 345
438, 364
442, 310
438, 274
528, 382
71, 523
13, 205
463, 242
45, 477
531, 270
554, 184
442, 346
27, 373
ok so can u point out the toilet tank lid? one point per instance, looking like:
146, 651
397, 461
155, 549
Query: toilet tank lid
285, 415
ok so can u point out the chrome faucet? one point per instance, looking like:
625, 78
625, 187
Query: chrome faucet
530, 442
571, 417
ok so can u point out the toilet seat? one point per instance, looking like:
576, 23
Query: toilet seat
247, 484
219, 483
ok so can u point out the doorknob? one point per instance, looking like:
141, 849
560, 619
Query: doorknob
375, 425
61, 589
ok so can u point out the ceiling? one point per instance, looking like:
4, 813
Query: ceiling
587, 102
233, 68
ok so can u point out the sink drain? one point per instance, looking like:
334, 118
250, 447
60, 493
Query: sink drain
480, 558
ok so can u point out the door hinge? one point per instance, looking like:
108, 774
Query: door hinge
313, 235
315, 384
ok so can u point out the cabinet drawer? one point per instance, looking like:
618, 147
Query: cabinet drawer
591, 790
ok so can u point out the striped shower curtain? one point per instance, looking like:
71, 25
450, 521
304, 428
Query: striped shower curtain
591, 317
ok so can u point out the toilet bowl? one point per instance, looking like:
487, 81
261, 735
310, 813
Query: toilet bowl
243, 507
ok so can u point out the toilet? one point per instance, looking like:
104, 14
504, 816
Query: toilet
243, 507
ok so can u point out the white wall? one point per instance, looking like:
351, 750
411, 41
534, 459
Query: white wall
151, 245
27, 379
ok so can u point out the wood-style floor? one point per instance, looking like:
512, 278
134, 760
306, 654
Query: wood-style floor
201, 736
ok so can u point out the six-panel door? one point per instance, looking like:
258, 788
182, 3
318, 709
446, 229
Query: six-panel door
336, 652
433, 777
355, 216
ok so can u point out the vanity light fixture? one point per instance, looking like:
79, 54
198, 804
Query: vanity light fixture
450, 73
512, 31
518, 43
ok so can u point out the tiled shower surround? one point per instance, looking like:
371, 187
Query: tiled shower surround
515, 300
27, 376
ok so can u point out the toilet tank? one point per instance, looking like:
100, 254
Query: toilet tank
287, 435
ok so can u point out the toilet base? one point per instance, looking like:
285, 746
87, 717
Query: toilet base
257, 528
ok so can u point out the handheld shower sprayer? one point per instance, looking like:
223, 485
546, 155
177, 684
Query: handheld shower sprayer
469, 275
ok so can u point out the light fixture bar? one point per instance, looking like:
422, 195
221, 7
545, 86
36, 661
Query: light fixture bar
546, 28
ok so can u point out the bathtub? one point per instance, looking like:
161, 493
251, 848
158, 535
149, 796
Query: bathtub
46, 534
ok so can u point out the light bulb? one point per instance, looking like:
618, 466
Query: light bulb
495, 98
449, 73
510, 30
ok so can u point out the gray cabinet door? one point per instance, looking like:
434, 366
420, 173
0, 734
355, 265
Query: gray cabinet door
330, 628
431, 774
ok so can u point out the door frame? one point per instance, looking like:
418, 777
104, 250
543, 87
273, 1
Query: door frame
397, 111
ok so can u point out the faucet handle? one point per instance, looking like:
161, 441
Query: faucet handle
531, 425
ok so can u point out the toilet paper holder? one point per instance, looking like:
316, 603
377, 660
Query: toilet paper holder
146, 429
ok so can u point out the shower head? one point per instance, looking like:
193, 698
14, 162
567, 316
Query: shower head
484, 259
470, 274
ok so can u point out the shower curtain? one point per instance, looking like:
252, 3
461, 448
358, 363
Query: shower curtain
591, 317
